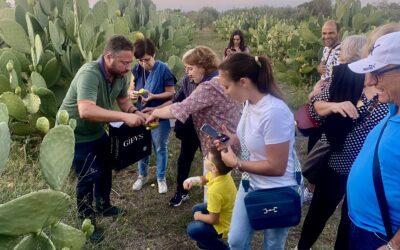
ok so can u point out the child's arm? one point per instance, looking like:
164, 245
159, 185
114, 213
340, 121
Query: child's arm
211, 218
193, 181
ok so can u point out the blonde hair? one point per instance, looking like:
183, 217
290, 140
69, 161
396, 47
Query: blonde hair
376, 33
351, 48
203, 57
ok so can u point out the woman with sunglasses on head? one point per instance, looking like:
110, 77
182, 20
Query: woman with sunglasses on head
347, 111
158, 83
236, 44
266, 135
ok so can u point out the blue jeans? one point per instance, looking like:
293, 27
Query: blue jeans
94, 173
159, 137
204, 234
361, 239
241, 232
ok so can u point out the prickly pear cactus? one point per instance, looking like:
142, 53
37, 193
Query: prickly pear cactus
3, 113
43, 125
63, 236
32, 103
5, 145
15, 105
35, 241
56, 155
32, 212
62, 117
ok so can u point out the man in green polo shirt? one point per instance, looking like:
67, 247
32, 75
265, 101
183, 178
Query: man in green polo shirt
89, 100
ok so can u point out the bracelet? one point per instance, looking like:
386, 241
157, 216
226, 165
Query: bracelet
389, 246
128, 111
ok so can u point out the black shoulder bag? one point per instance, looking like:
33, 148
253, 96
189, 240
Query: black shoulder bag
379, 189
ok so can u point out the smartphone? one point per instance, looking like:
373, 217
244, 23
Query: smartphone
214, 133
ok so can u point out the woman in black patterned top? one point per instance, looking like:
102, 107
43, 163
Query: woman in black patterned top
347, 112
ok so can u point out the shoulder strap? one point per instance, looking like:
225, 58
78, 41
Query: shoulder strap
379, 189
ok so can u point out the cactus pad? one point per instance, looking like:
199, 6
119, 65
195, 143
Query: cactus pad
56, 155
35, 241
32, 212
5, 145
32, 103
15, 105
63, 235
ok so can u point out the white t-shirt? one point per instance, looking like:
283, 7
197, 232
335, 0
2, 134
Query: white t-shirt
269, 121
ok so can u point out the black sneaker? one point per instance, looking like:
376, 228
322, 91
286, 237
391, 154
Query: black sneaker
178, 199
97, 236
111, 211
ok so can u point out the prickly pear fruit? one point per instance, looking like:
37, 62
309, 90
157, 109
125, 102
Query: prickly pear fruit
138, 35
18, 90
43, 124
32, 212
64, 235
87, 228
152, 125
72, 123
62, 117
9, 66
118, 13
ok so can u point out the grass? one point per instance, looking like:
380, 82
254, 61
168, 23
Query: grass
150, 222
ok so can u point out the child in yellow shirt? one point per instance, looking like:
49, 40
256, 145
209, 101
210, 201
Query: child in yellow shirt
212, 220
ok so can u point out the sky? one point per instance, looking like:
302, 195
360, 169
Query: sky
220, 5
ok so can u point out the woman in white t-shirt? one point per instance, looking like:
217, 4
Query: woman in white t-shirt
266, 129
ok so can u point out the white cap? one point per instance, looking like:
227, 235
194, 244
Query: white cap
386, 51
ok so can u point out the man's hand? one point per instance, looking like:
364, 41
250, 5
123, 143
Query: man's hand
133, 120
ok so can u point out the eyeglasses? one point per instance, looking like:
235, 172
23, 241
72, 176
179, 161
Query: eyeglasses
209, 161
379, 73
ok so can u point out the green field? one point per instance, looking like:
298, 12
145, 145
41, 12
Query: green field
150, 222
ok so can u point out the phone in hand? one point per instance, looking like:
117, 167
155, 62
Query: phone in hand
214, 133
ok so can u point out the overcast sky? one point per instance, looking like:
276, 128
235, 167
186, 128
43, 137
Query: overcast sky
229, 4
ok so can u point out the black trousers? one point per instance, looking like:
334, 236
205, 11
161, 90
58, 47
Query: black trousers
189, 146
329, 191
93, 170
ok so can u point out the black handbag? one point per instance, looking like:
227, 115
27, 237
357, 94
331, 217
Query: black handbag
128, 145
316, 160
275, 207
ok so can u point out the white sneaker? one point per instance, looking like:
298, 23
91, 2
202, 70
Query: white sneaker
162, 186
139, 183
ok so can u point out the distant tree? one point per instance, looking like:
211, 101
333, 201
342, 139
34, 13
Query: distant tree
206, 16
392, 10
317, 7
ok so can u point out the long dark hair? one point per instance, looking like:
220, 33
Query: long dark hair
258, 69
239, 33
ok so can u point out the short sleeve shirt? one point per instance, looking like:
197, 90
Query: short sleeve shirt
208, 104
90, 84
330, 58
221, 195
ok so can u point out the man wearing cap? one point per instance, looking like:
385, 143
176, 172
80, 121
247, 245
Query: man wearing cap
379, 159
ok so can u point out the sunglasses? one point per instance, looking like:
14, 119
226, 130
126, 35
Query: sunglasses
379, 73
